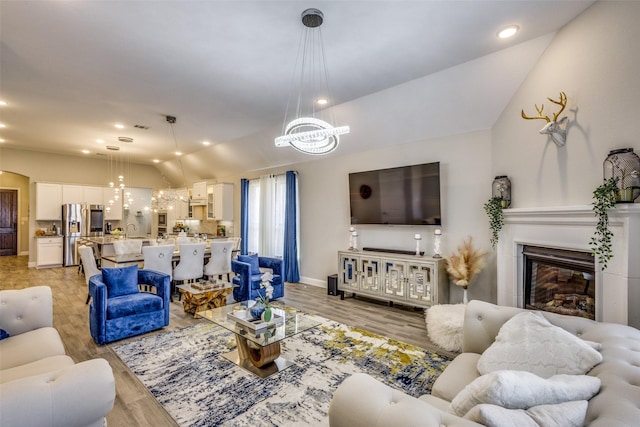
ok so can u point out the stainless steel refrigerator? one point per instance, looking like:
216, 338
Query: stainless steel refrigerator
71, 232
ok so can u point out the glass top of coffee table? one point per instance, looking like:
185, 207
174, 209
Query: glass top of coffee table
287, 322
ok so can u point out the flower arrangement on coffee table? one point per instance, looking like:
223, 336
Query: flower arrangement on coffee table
262, 307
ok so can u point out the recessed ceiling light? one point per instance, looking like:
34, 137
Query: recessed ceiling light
156, 161
86, 151
119, 125
322, 101
3, 102
2, 125
178, 153
2, 140
509, 31
207, 143
100, 141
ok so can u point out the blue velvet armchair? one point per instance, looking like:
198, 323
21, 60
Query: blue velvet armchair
248, 276
119, 309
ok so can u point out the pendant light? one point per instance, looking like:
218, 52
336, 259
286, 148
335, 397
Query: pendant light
308, 130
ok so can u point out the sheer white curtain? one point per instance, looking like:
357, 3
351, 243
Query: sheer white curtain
266, 215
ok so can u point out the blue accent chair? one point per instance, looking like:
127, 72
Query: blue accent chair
120, 310
248, 276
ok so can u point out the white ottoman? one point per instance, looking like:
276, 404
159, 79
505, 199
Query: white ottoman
444, 325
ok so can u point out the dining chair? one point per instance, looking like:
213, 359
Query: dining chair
127, 246
158, 258
90, 267
191, 264
236, 246
220, 261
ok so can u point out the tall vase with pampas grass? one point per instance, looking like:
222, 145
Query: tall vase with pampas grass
465, 264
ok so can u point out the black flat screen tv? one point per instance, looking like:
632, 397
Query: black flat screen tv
407, 195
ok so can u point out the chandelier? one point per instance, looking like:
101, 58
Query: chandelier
118, 167
165, 199
308, 131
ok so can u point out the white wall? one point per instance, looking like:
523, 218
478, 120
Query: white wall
595, 60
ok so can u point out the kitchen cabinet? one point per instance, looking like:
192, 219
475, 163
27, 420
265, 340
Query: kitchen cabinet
220, 201
405, 279
48, 202
48, 252
72, 194
199, 194
114, 213
93, 195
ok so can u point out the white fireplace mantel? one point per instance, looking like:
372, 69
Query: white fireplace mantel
571, 227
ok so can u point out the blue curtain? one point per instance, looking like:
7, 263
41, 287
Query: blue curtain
291, 229
244, 215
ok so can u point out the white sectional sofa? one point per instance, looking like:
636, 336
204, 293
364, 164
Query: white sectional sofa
363, 401
39, 384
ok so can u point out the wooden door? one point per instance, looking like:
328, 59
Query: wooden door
8, 222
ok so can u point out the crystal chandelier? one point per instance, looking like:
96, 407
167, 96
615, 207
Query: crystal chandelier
164, 199
308, 131
117, 168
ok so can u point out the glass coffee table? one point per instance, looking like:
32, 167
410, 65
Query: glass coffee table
258, 342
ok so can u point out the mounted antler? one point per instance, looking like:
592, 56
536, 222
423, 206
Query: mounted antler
552, 127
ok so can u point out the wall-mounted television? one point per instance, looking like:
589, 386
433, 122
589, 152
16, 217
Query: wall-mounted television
407, 195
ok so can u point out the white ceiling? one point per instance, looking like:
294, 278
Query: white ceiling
71, 69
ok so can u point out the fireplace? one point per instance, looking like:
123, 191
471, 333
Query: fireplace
615, 291
559, 281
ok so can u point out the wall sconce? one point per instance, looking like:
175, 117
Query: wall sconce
437, 236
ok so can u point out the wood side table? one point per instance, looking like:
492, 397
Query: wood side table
204, 299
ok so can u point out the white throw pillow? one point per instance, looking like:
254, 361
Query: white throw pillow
568, 414
522, 390
529, 342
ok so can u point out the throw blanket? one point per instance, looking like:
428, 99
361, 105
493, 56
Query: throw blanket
520, 390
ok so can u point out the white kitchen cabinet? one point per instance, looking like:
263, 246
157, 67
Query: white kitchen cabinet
199, 194
48, 202
93, 195
48, 252
220, 201
72, 194
115, 211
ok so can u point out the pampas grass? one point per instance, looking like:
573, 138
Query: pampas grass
466, 263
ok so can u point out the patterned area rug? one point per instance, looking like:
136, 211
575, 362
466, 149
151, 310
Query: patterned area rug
187, 374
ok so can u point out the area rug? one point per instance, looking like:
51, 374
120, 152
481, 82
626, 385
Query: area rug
187, 374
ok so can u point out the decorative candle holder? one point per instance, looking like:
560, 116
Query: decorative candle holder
354, 237
351, 242
417, 238
437, 236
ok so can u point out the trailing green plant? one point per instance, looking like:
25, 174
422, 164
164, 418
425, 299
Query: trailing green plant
604, 198
493, 208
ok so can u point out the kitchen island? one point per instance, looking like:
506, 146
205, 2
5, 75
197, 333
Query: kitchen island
105, 244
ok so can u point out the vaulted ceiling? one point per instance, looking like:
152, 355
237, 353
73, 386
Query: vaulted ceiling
70, 70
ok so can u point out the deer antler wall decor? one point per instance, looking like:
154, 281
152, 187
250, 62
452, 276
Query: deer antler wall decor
552, 128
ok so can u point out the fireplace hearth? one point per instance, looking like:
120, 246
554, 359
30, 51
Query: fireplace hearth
615, 293
559, 281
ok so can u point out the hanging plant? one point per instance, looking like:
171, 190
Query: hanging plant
604, 198
493, 208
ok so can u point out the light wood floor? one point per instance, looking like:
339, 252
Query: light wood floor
134, 405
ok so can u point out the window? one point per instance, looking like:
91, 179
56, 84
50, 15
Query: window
267, 197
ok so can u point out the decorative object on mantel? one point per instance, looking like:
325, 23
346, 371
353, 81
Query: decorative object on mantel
437, 239
464, 265
501, 188
354, 240
552, 128
417, 238
604, 198
624, 165
493, 208
309, 131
